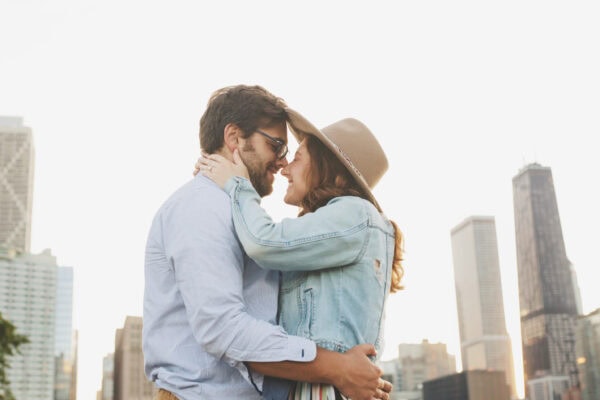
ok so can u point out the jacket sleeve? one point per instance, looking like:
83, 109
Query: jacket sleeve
334, 235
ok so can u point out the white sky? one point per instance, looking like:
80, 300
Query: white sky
461, 94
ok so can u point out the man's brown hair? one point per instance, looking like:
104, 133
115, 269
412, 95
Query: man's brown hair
248, 107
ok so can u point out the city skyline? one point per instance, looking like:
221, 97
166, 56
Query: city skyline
461, 96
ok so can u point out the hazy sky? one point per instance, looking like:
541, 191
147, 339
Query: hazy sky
461, 94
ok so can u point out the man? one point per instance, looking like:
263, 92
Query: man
209, 310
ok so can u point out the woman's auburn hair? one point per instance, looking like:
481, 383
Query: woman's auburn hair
329, 178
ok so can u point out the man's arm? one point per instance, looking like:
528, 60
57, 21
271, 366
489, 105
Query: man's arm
208, 264
352, 372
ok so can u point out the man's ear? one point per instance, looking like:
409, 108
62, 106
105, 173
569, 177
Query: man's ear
231, 135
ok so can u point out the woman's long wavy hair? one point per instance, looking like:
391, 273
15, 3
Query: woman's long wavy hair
329, 178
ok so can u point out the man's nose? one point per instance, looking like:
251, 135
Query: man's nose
282, 163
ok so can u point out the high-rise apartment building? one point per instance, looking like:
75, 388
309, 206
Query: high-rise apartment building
28, 300
16, 183
547, 300
107, 389
63, 338
392, 372
587, 348
423, 361
129, 379
64, 346
484, 341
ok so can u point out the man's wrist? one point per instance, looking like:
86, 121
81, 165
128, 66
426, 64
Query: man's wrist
331, 366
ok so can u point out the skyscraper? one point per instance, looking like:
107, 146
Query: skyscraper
16, 183
107, 389
484, 341
546, 291
64, 312
28, 300
64, 348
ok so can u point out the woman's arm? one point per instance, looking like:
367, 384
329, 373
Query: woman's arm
335, 235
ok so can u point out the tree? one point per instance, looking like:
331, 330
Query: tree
10, 341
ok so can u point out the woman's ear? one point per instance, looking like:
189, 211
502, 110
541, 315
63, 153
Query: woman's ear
231, 136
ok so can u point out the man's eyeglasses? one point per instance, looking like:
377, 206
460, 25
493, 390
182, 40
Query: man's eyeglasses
281, 148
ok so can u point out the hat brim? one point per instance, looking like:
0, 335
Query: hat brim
300, 127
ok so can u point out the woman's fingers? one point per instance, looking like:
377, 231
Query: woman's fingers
214, 157
204, 164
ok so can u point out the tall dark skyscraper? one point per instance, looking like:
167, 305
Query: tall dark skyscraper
546, 290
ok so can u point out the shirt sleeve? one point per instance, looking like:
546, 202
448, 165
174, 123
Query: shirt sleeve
334, 235
208, 264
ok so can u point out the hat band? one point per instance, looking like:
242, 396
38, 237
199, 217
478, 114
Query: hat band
349, 161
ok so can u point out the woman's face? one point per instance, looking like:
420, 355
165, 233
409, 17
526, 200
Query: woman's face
297, 173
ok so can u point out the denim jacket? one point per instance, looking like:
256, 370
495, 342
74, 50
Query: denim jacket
336, 265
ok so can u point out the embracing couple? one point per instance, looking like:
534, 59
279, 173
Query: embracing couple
237, 306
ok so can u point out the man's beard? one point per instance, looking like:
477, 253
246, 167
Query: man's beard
256, 171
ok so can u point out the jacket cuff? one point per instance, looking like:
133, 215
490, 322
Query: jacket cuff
233, 182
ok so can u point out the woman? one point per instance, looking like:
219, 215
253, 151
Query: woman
341, 257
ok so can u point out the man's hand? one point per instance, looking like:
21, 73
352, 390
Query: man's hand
359, 378
352, 373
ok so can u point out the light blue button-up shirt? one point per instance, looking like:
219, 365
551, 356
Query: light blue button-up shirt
207, 306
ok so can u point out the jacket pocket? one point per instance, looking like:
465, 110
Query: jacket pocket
306, 303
